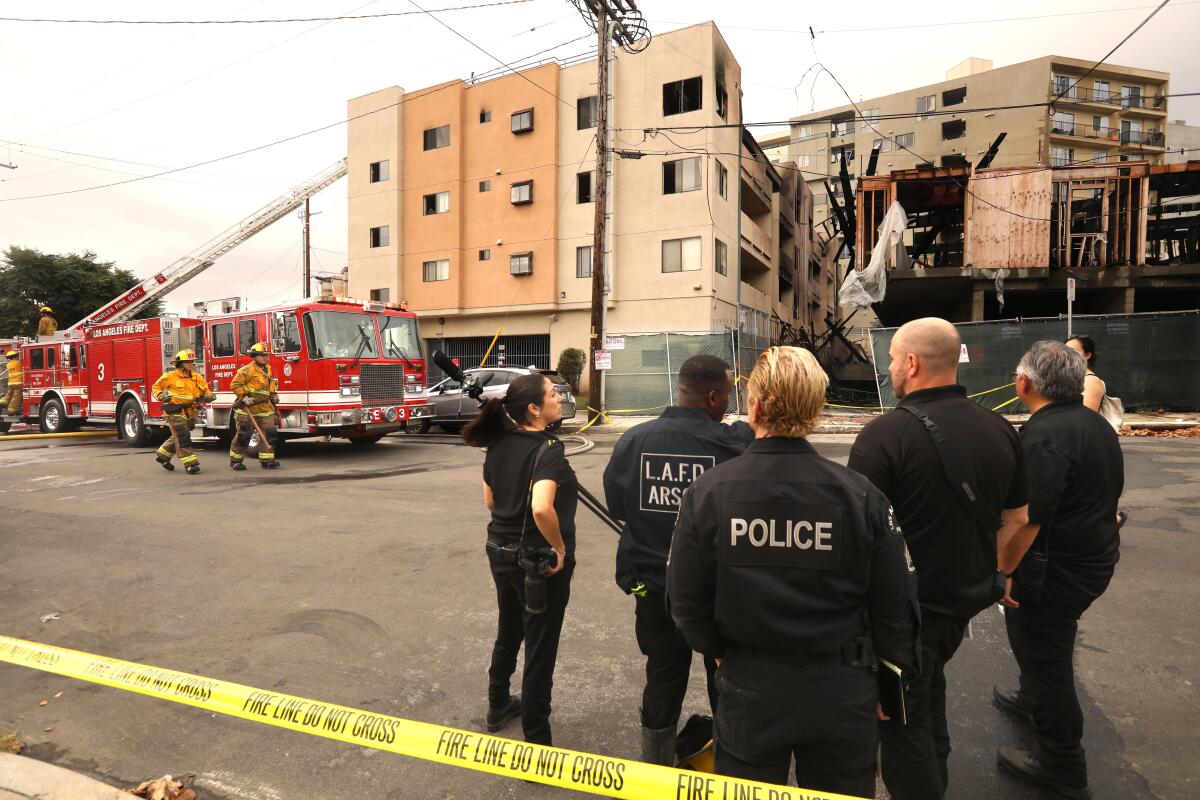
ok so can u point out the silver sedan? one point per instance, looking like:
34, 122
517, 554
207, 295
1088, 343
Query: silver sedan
453, 409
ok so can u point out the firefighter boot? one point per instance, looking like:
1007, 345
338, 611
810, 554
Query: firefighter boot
166, 463
658, 746
269, 463
237, 465
193, 469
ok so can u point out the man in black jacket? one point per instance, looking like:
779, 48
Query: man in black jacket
651, 466
952, 547
1067, 555
789, 568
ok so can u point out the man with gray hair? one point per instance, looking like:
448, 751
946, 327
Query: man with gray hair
1063, 559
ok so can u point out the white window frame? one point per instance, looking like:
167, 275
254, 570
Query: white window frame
688, 251
438, 268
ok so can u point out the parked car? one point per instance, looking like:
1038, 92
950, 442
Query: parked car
452, 409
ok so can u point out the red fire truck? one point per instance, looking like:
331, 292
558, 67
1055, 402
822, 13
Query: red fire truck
345, 368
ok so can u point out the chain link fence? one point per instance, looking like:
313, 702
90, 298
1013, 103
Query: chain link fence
645, 372
1150, 361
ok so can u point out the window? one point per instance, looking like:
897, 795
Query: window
287, 332
1064, 122
1131, 97
804, 131
1100, 125
877, 144
722, 179
681, 255
1102, 91
904, 140
379, 171
585, 113
247, 335
37, 358
585, 192
522, 121
381, 295
954, 129
222, 340
521, 193
721, 257
954, 160
871, 116
952, 97
485, 186
437, 137
485, 116
722, 95
51, 358
583, 261
380, 236
804, 160
436, 270
680, 97
520, 264
681, 176
926, 104
337, 334
1064, 85
438, 203
485, 254
843, 127
1061, 156
1131, 132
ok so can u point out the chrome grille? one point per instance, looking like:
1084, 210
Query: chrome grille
382, 383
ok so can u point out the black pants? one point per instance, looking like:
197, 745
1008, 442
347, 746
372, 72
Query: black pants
668, 664
774, 707
1042, 637
540, 634
913, 759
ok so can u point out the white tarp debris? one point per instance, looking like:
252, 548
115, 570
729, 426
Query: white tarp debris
863, 288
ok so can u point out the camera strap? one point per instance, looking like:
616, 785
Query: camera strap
537, 459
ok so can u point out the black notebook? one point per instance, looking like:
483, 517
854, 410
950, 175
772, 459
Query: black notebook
891, 692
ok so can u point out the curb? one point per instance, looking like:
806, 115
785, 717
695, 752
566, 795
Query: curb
23, 778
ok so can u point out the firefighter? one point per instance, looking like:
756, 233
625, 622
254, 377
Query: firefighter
47, 325
255, 388
12, 398
180, 390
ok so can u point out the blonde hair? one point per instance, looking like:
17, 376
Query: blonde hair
790, 387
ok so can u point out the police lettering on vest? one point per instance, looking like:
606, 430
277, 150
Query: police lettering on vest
799, 536
664, 477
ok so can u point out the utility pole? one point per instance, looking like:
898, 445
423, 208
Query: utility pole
307, 251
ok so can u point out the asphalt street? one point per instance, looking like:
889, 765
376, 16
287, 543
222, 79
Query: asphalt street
358, 576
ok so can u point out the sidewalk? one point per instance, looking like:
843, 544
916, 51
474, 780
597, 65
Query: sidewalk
22, 778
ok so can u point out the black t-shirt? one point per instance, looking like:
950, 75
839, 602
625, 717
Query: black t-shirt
509, 470
1076, 476
955, 560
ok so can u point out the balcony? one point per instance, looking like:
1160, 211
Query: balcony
1136, 139
1152, 105
1144, 105
757, 241
1100, 136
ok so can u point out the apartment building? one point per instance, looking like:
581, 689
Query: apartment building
1115, 113
1183, 142
473, 202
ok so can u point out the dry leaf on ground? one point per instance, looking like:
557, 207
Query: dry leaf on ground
164, 788
9, 743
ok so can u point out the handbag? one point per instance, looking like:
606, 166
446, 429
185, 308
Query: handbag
1113, 411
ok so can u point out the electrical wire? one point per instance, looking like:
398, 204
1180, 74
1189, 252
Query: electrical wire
1116, 47
338, 18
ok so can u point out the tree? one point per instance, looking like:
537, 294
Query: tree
74, 285
570, 366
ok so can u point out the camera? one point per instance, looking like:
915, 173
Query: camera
537, 562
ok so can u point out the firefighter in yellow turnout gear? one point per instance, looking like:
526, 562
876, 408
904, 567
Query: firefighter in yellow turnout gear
180, 390
255, 388
11, 404
47, 325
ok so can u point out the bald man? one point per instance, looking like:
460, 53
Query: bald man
951, 532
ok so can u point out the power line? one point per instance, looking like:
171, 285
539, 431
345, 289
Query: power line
256, 21
1117, 46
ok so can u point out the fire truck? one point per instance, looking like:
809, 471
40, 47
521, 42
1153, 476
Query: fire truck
346, 368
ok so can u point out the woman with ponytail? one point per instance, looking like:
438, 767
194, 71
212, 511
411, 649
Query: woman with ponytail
532, 493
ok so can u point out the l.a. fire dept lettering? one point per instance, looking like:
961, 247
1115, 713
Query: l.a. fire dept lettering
663, 477
782, 535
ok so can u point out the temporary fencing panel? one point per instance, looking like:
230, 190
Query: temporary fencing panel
1150, 361
645, 372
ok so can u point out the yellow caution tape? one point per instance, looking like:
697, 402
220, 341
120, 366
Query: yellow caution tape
1006, 403
554, 766
989, 391
605, 414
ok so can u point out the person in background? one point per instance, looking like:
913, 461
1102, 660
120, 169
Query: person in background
47, 325
651, 465
1063, 560
790, 569
1094, 388
15, 381
532, 494
953, 545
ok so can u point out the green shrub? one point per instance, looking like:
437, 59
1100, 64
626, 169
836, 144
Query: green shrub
570, 366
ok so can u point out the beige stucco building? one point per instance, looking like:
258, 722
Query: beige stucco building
472, 203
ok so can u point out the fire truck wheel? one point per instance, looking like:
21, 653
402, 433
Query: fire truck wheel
363, 441
134, 430
53, 417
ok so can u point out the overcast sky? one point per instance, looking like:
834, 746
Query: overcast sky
166, 96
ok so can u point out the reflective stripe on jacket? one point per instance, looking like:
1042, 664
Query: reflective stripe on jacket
256, 384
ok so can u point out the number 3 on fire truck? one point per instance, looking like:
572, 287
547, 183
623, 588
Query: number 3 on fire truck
100, 371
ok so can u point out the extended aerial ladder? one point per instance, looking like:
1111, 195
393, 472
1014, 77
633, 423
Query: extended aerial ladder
128, 304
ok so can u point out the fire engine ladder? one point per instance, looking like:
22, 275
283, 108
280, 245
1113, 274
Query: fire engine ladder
128, 304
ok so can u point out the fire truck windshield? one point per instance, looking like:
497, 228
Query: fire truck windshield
337, 334
400, 337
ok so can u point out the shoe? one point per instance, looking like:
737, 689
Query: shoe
497, 718
1010, 701
658, 746
269, 463
166, 463
237, 465
1026, 766
193, 469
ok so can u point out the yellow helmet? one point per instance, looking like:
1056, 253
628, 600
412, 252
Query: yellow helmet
46, 310
11, 354
257, 349
185, 355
